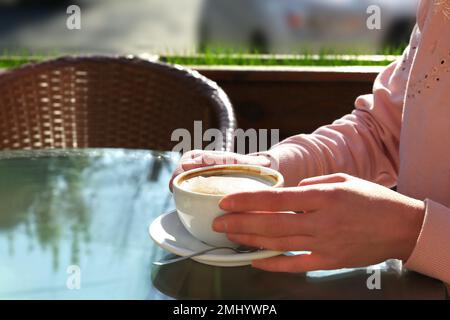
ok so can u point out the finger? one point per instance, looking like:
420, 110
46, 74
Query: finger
209, 159
192, 158
283, 199
193, 164
269, 225
332, 178
191, 155
294, 264
295, 243
221, 158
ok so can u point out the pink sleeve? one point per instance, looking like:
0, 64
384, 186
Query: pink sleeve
364, 143
431, 256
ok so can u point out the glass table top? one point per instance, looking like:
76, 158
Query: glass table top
74, 225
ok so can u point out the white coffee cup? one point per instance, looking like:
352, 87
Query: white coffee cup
197, 211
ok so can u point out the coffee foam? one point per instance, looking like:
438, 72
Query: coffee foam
222, 185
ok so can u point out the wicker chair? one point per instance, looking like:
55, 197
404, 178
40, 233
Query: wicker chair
89, 102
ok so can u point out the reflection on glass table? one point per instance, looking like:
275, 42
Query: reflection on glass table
86, 213
86, 208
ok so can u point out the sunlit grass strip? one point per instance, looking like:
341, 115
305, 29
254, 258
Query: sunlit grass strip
245, 59
279, 60
14, 58
16, 61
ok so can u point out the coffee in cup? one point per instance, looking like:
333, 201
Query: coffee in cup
198, 192
223, 184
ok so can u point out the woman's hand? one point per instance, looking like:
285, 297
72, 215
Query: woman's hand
345, 222
197, 159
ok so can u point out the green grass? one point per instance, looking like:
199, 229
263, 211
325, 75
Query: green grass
325, 57
285, 60
222, 57
11, 63
16, 58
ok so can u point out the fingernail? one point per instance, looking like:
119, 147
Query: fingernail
265, 162
187, 164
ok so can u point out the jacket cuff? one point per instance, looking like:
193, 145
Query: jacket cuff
431, 255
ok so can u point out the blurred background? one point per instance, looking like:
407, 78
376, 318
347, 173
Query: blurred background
192, 26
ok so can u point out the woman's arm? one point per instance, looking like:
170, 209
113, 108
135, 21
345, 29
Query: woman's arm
364, 143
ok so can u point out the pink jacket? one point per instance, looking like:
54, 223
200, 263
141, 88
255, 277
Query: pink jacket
399, 135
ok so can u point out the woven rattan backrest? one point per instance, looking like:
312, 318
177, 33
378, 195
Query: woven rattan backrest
80, 102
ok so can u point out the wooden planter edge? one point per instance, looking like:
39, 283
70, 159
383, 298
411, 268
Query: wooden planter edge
291, 74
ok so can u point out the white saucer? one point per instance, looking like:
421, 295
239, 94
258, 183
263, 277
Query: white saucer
169, 233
